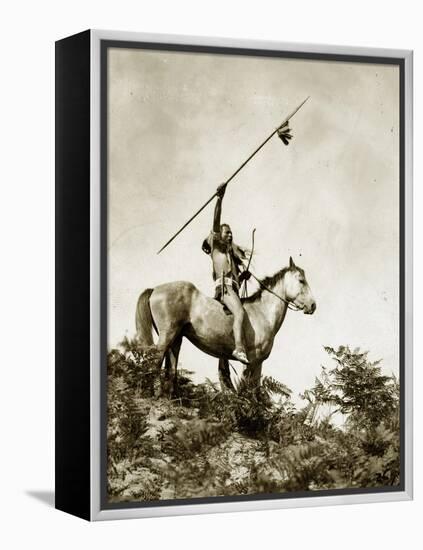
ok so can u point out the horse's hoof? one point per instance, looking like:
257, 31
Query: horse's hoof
240, 356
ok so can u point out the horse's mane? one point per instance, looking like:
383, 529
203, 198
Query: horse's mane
270, 282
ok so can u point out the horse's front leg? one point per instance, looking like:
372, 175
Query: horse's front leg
251, 376
225, 376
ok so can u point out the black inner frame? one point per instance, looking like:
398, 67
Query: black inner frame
104, 46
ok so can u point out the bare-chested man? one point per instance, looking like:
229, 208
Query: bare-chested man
227, 259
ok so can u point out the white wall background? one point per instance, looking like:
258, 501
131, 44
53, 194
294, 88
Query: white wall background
27, 266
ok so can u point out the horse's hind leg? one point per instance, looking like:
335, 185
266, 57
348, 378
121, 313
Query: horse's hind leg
225, 375
167, 338
170, 379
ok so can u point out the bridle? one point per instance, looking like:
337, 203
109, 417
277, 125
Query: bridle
290, 305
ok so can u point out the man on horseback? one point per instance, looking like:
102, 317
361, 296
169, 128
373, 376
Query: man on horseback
227, 262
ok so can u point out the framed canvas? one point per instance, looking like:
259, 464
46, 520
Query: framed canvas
233, 275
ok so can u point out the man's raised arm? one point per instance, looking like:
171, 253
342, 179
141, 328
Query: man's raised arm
218, 208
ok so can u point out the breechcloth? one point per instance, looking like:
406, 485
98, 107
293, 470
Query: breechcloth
221, 285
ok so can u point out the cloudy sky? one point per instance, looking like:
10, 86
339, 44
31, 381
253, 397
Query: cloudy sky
181, 123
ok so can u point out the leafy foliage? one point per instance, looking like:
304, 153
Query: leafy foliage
357, 387
207, 442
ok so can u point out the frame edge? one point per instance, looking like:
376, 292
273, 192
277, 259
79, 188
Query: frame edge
97, 513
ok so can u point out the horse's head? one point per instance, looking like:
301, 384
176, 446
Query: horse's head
297, 290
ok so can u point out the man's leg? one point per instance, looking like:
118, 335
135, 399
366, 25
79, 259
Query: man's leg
233, 303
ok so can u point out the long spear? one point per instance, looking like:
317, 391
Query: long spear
282, 125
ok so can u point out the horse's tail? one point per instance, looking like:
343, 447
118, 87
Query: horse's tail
143, 319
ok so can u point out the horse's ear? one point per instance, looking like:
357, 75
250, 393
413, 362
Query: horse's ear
291, 263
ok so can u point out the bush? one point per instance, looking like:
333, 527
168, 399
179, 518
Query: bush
204, 442
356, 387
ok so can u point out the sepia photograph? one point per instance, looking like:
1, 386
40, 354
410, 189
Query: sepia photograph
253, 254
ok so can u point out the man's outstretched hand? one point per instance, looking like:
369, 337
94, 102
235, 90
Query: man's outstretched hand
221, 190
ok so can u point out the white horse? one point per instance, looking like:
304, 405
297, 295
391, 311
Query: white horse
179, 309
